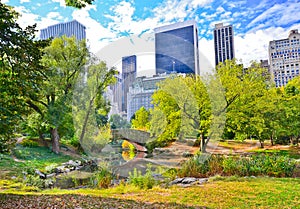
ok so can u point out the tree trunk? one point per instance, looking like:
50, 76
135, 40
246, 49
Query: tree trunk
55, 140
42, 139
202, 144
292, 140
261, 144
86, 121
272, 140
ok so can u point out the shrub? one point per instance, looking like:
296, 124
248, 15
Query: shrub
271, 165
29, 143
36, 181
142, 181
102, 178
197, 166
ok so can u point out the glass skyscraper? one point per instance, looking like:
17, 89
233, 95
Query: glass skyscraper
72, 28
176, 48
128, 77
223, 42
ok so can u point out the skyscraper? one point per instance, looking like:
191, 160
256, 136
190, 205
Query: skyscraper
176, 48
72, 28
284, 56
224, 43
128, 77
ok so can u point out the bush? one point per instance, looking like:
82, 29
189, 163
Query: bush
102, 178
146, 181
36, 181
6, 144
270, 165
29, 143
197, 166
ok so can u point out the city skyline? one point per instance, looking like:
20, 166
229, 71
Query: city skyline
255, 22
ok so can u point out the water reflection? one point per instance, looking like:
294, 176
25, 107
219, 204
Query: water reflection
118, 153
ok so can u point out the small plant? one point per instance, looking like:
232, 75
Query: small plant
36, 181
102, 178
196, 166
146, 181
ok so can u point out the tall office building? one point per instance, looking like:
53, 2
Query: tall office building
72, 28
176, 48
128, 77
284, 56
224, 43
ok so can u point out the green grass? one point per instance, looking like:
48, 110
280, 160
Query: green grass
291, 153
222, 192
28, 158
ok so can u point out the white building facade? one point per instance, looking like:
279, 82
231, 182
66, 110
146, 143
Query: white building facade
284, 57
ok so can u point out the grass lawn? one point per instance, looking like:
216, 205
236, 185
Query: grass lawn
219, 192
28, 158
230, 192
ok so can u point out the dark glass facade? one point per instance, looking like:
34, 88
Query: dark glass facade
176, 50
128, 77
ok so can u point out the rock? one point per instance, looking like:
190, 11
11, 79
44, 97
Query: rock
50, 175
60, 169
158, 177
42, 175
188, 180
202, 180
176, 181
187, 154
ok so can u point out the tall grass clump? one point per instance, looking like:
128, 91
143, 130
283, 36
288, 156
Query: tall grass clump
256, 165
146, 181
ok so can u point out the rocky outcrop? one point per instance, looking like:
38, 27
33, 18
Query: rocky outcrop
188, 181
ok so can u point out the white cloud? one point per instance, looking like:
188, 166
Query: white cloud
23, 1
54, 15
279, 14
206, 55
27, 18
94, 30
253, 46
220, 9
178, 9
5, 1
62, 3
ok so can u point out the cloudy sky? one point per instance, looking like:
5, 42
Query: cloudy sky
255, 22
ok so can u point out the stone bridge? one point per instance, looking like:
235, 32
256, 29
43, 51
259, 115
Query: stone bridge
138, 138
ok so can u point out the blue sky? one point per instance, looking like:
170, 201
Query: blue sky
255, 22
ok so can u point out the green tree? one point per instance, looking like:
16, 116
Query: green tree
20, 71
90, 107
245, 93
291, 99
182, 110
78, 3
116, 122
141, 119
63, 61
